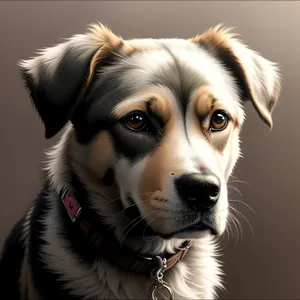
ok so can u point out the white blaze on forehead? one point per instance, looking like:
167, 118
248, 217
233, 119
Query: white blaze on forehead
155, 62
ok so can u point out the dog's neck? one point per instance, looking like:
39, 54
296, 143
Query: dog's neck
63, 161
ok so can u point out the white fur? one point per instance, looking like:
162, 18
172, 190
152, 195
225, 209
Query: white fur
26, 227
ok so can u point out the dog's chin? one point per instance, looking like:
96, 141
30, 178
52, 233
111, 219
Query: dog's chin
195, 231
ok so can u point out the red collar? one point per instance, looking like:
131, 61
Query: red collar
122, 256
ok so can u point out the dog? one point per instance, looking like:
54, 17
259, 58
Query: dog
135, 191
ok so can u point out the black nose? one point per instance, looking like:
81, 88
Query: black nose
200, 192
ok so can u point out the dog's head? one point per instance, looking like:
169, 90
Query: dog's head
157, 119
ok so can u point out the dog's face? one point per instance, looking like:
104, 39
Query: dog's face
158, 119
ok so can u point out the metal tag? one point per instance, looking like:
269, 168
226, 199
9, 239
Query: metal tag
158, 288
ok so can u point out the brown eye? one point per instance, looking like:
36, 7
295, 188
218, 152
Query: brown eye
219, 121
136, 121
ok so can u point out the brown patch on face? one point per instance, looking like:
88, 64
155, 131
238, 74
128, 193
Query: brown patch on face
98, 161
158, 169
154, 102
159, 107
205, 104
204, 101
101, 154
128, 106
163, 161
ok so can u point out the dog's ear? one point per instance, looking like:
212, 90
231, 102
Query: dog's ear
58, 75
257, 77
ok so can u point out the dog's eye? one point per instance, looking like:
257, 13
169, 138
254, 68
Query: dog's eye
136, 121
219, 121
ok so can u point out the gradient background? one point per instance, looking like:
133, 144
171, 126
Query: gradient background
260, 266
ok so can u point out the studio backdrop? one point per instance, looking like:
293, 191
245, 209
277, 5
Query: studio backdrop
261, 257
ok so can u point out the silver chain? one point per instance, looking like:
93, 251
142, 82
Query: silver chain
157, 274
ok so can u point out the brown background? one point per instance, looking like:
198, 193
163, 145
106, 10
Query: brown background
262, 266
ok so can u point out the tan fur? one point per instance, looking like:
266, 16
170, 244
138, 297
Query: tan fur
95, 159
103, 34
152, 100
162, 159
205, 104
204, 101
128, 106
101, 154
100, 55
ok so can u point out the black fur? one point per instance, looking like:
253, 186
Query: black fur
55, 99
11, 261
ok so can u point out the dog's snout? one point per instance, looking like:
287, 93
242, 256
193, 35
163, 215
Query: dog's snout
200, 192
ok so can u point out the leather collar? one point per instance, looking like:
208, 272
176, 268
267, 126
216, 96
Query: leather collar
120, 255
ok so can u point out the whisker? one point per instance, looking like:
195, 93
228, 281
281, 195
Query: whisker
141, 219
235, 189
229, 226
134, 204
238, 181
224, 236
242, 202
148, 225
234, 223
242, 215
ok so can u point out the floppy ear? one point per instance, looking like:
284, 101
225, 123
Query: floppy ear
59, 75
257, 77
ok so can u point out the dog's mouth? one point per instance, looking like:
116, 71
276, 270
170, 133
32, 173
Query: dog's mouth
197, 229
